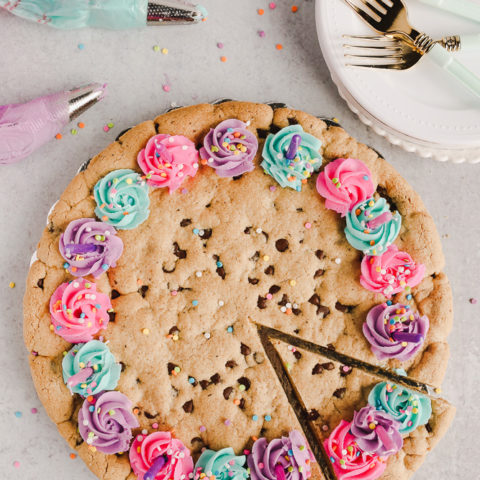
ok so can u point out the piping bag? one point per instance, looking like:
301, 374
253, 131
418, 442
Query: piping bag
24, 127
113, 14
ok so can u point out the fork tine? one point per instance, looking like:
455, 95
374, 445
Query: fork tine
384, 4
373, 6
376, 57
387, 66
348, 47
366, 16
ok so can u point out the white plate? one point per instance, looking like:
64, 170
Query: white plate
422, 109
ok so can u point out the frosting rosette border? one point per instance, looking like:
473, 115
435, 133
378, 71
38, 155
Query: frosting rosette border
390, 273
90, 368
371, 227
344, 183
106, 421
395, 331
146, 449
78, 311
168, 160
122, 199
306, 158
89, 247
230, 148
223, 464
410, 409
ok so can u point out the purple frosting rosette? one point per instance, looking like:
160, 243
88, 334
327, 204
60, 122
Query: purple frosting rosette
376, 432
395, 331
285, 458
230, 148
106, 422
90, 247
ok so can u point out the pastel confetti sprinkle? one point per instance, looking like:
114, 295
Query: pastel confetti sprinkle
261, 34
18, 414
220, 45
272, 5
166, 88
16, 464
11, 284
156, 48
81, 46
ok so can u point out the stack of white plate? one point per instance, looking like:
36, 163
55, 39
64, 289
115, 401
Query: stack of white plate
423, 109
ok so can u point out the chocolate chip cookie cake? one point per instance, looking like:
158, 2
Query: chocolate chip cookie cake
240, 290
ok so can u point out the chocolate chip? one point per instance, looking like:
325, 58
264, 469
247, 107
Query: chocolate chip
317, 369
215, 379
331, 346
262, 133
319, 273
274, 289
322, 310
315, 300
284, 300
245, 349
188, 406
274, 128
320, 255
259, 357
178, 252
221, 272
185, 222
208, 205
204, 384
297, 354
247, 230
241, 405
143, 290
265, 234
313, 415
111, 316
328, 366
296, 311
281, 244
231, 364
261, 302
166, 270
343, 308
227, 392
245, 382
382, 191
40, 283
122, 366
345, 370
149, 415
253, 281
115, 294
207, 233
196, 440
299, 209
173, 330
339, 392
255, 257
171, 367
296, 331
292, 121
237, 177
428, 428
270, 270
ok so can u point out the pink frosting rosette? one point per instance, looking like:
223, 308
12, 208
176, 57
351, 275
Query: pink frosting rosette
391, 272
78, 311
159, 456
168, 160
348, 460
344, 183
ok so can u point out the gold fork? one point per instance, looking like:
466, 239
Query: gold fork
389, 17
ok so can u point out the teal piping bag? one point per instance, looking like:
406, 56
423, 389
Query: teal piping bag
112, 14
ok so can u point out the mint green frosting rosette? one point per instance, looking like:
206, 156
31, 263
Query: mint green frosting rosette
90, 368
224, 465
409, 408
371, 227
291, 173
122, 199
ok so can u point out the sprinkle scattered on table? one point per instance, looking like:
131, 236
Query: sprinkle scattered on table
223, 59
11, 284
272, 5
156, 48
58, 136
220, 45
294, 9
16, 464
260, 11
80, 125
18, 414
73, 456
81, 46
279, 46
261, 33
473, 301
34, 410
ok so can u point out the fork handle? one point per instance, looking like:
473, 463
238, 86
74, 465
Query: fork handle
445, 60
463, 8
470, 42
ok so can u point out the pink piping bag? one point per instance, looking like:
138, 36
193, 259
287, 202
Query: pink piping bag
24, 127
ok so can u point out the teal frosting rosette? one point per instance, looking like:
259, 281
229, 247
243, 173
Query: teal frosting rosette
291, 156
90, 368
122, 199
409, 408
371, 227
223, 465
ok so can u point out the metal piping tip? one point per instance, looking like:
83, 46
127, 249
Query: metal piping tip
164, 12
82, 98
